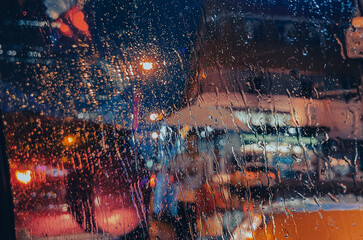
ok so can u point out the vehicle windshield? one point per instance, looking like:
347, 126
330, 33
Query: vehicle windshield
181, 119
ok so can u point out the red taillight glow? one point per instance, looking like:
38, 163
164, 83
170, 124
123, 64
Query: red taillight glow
23, 176
65, 29
74, 18
78, 21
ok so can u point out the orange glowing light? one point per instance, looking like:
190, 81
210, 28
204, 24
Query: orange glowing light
78, 21
153, 180
23, 176
184, 131
64, 28
69, 140
147, 65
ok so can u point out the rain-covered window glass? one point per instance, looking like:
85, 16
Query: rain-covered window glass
182, 119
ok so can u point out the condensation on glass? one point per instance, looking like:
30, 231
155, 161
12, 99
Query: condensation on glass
181, 119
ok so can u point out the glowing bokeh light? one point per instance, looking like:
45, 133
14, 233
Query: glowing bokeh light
155, 135
147, 65
23, 176
155, 116
153, 180
64, 28
69, 140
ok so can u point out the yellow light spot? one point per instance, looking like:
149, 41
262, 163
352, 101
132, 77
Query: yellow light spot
69, 140
23, 176
65, 159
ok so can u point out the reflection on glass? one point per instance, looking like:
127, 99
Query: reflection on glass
183, 119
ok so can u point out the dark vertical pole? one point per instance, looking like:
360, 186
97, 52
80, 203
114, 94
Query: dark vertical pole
7, 222
217, 163
7, 225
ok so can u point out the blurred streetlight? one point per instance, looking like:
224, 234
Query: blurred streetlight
154, 116
155, 135
23, 176
146, 65
69, 140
